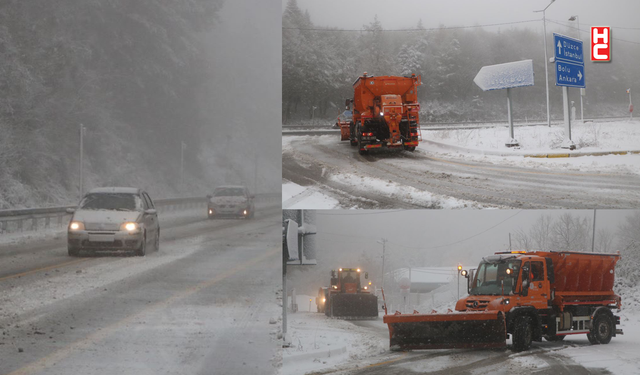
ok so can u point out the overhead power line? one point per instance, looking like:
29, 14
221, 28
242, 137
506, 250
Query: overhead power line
588, 31
423, 247
414, 30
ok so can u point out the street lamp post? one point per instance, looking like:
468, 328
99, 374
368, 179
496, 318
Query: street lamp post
577, 19
630, 105
182, 147
83, 130
546, 60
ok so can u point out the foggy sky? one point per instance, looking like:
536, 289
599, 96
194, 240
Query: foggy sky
401, 14
245, 50
425, 232
421, 238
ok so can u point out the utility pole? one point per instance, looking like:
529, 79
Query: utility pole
546, 59
383, 241
630, 105
83, 129
509, 241
182, 147
255, 175
593, 235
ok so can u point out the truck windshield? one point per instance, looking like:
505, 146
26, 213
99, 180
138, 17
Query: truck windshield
490, 277
349, 276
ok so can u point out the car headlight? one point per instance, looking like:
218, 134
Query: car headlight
130, 227
76, 225
211, 211
245, 212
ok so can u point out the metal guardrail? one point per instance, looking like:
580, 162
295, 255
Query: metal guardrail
34, 219
427, 125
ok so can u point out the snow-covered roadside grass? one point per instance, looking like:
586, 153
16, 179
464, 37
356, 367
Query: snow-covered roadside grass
590, 137
319, 343
295, 196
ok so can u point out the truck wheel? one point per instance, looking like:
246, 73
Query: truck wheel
522, 334
602, 329
412, 148
554, 338
592, 339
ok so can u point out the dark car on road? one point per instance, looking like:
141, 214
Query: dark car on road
231, 201
114, 219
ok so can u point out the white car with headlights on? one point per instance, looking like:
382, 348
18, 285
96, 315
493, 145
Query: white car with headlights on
234, 201
114, 219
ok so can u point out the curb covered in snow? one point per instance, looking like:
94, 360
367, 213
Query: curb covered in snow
292, 358
515, 152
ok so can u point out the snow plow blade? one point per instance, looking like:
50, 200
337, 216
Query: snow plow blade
481, 329
353, 306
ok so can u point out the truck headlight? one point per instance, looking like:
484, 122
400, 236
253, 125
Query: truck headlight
76, 225
130, 227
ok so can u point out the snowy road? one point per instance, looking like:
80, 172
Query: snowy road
202, 304
365, 351
385, 180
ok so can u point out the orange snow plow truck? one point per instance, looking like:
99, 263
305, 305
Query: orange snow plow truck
385, 113
526, 294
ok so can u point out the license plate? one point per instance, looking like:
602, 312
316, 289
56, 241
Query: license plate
101, 237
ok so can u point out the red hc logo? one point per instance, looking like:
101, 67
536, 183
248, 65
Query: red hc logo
600, 43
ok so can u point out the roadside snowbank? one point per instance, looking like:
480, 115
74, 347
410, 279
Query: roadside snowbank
591, 136
295, 196
319, 342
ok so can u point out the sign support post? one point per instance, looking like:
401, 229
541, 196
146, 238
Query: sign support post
567, 120
512, 139
569, 60
506, 76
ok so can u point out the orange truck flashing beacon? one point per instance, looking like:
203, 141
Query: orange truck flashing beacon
385, 113
527, 294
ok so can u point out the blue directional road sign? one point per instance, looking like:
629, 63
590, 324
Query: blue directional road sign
568, 49
569, 61
569, 74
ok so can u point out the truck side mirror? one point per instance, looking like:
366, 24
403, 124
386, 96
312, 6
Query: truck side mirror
347, 103
366, 275
333, 273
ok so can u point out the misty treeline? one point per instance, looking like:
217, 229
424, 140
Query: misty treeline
575, 233
320, 66
131, 72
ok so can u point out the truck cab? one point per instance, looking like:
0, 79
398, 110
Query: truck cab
502, 282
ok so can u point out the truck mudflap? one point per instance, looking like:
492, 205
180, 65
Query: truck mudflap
354, 306
477, 329
345, 131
